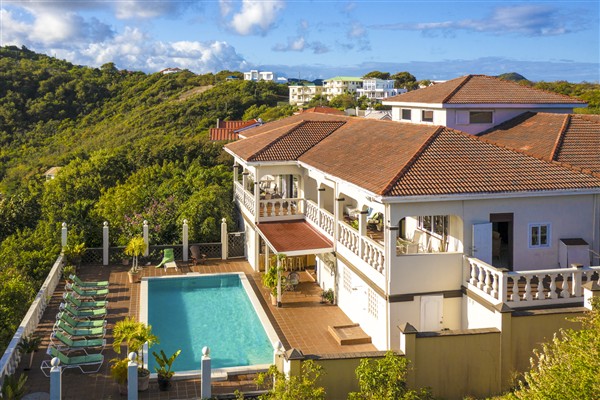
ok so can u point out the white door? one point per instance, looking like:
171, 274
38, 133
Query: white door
482, 242
432, 312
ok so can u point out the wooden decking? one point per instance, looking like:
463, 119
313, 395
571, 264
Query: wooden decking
301, 323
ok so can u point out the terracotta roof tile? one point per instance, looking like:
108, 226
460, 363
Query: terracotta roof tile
323, 110
481, 89
289, 236
218, 134
571, 139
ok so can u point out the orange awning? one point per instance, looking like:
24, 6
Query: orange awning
294, 238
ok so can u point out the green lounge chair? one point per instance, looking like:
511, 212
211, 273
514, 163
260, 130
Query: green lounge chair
88, 284
68, 344
95, 323
168, 258
72, 362
87, 293
80, 304
83, 314
79, 333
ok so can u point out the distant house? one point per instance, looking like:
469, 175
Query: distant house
230, 130
255, 75
475, 103
377, 90
341, 84
170, 71
51, 173
232, 78
323, 110
301, 94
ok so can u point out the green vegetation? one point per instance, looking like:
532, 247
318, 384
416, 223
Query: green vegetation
301, 387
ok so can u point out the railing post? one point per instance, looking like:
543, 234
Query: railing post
278, 352
577, 272
63, 235
55, 380
278, 281
224, 243
146, 240
205, 388
105, 244
132, 377
185, 240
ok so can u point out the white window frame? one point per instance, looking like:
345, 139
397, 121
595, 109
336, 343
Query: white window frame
539, 244
481, 111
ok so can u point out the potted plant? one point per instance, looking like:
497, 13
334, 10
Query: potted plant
164, 370
118, 371
134, 334
328, 296
13, 388
269, 278
74, 253
29, 345
135, 248
67, 271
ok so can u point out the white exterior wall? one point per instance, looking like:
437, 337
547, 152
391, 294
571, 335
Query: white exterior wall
476, 316
300, 94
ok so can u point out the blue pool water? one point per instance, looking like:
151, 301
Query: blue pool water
192, 312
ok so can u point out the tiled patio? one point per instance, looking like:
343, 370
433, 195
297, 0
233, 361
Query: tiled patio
301, 323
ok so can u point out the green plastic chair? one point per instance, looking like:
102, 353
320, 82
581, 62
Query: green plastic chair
80, 304
72, 362
168, 257
68, 344
79, 333
87, 293
95, 323
88, 284
83, 314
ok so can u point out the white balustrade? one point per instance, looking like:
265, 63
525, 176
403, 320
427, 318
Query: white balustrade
12, 356
243, 197
348, 236
372, 253
312, 212
527, 288
280, 207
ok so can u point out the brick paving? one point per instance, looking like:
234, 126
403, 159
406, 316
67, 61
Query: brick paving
301, 323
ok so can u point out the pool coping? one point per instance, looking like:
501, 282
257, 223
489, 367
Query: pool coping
216, 373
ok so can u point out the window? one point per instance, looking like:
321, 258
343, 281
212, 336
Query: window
427, 116
539, 235
480, 117
434, 224
406, 114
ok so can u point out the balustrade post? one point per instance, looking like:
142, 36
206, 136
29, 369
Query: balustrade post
63, 235
552, 289
527, 295
503, 287
132, 377
205, 388
224, 241
105, 244
565, 293
540, 289
146, 239
515, 288
55, 380
577, 272
185, 239
488, 281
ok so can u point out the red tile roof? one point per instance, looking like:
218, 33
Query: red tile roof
294, 236
399, 159
229, 130
572, 139
481, 89
323, 110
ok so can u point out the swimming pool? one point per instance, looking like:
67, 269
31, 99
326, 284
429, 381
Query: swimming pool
220, 311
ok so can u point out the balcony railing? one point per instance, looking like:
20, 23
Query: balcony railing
281, 208
244, 197
527, 288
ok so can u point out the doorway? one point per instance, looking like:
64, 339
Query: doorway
502, 240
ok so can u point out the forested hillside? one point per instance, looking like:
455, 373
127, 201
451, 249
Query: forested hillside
131, 146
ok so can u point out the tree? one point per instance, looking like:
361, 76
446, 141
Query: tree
404, 80
567, 367
377, 74
301, 387
384, 379
343, 101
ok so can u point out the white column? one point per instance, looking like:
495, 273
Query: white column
185, 240
146, 240
205, 388
55, 380
267, 257
105, 244
278, 352
278, 281
224, 243
132, 377
63, 235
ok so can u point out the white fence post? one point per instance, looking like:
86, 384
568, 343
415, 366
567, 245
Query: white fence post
185, 240
132, 377
224, 241
55, 380
63, 235
146, 240
205, 388
105, 244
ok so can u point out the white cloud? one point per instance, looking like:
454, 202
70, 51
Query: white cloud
226, 7
300, 44
255, 16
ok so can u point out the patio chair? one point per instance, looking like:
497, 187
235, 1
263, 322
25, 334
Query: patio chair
90, 313
95, 323
78, 333
292, 281
72, 362
422, 244
197, 257
88, 284
79, 304
87, 293
68, 344
168, 259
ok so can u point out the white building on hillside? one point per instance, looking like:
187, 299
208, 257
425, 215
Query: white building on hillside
341, 85
303, 93
255, 75
378, 89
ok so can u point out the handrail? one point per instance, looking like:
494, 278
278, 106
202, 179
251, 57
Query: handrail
12, 356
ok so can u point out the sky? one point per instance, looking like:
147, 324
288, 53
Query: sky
542, 40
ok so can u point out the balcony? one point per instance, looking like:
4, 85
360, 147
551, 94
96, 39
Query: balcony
520, 289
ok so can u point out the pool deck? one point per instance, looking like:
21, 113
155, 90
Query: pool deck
302, 323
